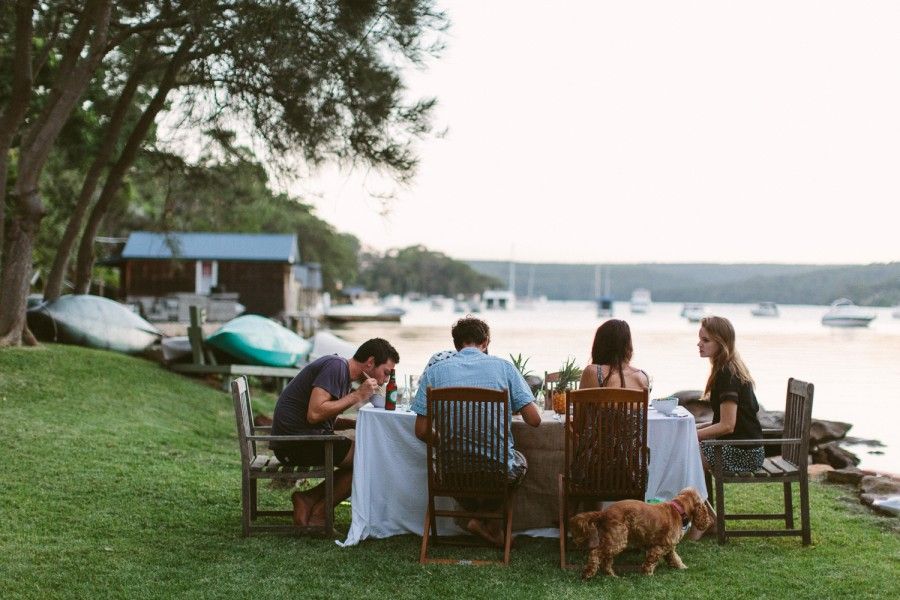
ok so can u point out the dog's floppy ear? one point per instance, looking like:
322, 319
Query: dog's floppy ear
689, 498
702, 518
584, 529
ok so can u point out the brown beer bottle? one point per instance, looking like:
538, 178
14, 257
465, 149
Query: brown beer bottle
390, 393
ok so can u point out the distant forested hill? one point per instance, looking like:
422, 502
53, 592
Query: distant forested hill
876, 284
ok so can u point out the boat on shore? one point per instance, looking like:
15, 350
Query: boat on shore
640, 301
92, 321
256, 340
765, 309
843, 313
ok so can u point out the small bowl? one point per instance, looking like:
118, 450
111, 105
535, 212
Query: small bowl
377, 400
665, 405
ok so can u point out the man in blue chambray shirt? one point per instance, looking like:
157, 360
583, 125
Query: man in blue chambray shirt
472, 367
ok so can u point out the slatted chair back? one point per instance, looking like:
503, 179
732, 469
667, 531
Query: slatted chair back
606, 452
471, 427
797, 422
243, 414
467, 457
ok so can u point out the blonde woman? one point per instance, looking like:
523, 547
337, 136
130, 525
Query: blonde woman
730, 392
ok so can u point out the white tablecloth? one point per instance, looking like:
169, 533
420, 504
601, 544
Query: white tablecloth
390, 484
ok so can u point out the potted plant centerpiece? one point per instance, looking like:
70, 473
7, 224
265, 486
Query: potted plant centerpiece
567, 377
521, 364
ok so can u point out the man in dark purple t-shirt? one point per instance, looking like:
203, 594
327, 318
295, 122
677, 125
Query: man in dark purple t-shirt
311, 403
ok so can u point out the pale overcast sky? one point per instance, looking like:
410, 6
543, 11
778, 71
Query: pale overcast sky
663, 131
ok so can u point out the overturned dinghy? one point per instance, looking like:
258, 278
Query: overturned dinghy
326, 342
92, 321
256, 340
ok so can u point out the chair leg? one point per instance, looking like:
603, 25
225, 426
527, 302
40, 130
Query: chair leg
426, 530
433, 517
709, 487
329, 489
788, 506
254, 502
720, 509
245, 506
508, 540
563, 509
804, 512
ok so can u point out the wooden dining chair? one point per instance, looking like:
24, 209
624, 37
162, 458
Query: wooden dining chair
786, 469
466, 457
256, 465
606, 452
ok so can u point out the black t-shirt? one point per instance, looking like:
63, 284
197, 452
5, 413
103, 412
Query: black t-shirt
728, 387
330, 373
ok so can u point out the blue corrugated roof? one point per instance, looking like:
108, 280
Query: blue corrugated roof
274, 247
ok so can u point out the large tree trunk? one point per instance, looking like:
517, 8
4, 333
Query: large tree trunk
53, 285
16, 279
13, 114
35, 148
85, 263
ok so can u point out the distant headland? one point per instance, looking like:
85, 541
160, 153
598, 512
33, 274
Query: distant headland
867, 285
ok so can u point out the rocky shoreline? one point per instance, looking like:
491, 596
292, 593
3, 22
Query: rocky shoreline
879, 491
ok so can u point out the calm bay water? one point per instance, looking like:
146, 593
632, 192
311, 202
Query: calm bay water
856, 372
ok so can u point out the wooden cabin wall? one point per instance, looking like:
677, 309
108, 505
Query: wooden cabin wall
157, 277
261, 285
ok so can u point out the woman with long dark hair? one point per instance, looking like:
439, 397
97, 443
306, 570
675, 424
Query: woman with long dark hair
611, 359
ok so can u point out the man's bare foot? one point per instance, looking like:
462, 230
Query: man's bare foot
478, 528
317, 515
303, 506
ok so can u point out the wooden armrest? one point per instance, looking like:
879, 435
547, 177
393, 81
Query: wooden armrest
295, 438
771, 442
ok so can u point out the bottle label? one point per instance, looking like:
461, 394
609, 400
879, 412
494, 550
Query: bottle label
390, 401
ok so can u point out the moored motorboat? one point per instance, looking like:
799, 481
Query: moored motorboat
346, 313
605, 306
693, 312
498, 300
92, 321
765, 309
640, 301
256, 340
843, 313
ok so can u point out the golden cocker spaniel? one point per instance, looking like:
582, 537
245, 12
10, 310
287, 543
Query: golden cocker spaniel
657, 528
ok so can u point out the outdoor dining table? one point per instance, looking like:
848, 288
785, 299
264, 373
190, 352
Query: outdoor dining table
390, 485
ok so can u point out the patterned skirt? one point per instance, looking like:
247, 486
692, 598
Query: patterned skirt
737, 459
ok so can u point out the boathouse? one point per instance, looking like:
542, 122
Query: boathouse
262, 270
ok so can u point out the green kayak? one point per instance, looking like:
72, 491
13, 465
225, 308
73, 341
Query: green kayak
256, 340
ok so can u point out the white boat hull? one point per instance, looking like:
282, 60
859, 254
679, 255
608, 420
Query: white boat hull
847, 321
843, 313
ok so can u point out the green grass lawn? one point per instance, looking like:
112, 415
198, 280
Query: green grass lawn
122, 480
